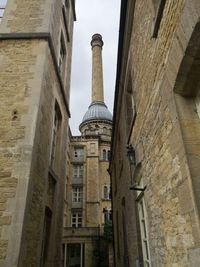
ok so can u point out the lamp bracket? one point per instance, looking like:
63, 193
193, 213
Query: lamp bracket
138, 188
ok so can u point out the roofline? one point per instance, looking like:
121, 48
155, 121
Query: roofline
95, 120
74, 10
121, 45
123, 12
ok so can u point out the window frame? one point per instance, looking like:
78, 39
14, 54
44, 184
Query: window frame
76, 219
78, 152
62, 54
159, 10
105, 192
56, 135
107, 215
143, 222
77, 194
79, 169
104, 154
2, 9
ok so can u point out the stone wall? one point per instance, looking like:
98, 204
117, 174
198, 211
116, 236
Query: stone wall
30, 84
18, 107
39, 174
158, 134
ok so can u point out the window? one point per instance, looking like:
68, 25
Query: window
130, 106
56, 135
78, 171
106, 192
107, 215
143, 228
76, 219
77, 194
108, 154
65, 15
46, 235
118, 234
197, 102
62, 55
2, 8
78, 152
159, 6
75, 250
104, 154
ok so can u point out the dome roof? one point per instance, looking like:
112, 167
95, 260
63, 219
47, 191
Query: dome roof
97, 111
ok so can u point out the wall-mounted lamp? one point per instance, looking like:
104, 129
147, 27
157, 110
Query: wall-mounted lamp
132, 162
131, 155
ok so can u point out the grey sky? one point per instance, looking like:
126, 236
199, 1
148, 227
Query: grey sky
93, 16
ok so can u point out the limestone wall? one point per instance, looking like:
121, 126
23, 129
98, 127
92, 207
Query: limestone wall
158, 136
29, 87
19, 106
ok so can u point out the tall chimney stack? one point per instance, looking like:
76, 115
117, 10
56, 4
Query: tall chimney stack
97, 70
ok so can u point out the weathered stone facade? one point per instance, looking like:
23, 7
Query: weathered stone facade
32, 89
157, 112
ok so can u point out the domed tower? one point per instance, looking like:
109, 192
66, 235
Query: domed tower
98, 119
88, 207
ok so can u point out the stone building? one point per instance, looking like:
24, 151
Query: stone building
88, 204
156, 191
35, 65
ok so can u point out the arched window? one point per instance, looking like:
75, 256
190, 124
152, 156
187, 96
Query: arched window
104, 154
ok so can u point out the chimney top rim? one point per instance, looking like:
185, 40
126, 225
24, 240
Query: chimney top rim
97, 40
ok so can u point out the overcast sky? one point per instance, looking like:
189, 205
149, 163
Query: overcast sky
93, 16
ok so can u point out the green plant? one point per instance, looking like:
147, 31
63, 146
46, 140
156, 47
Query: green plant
108, 231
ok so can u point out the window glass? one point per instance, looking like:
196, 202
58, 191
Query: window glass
77, 171
62, 54
105, 192
76, 219
2, 8
143, 228
104, 154
107, 215
46, 235
78, 152
56, 136
75, 250
159, 6
77, 194
108, 154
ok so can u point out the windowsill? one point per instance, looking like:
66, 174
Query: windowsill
106, 199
